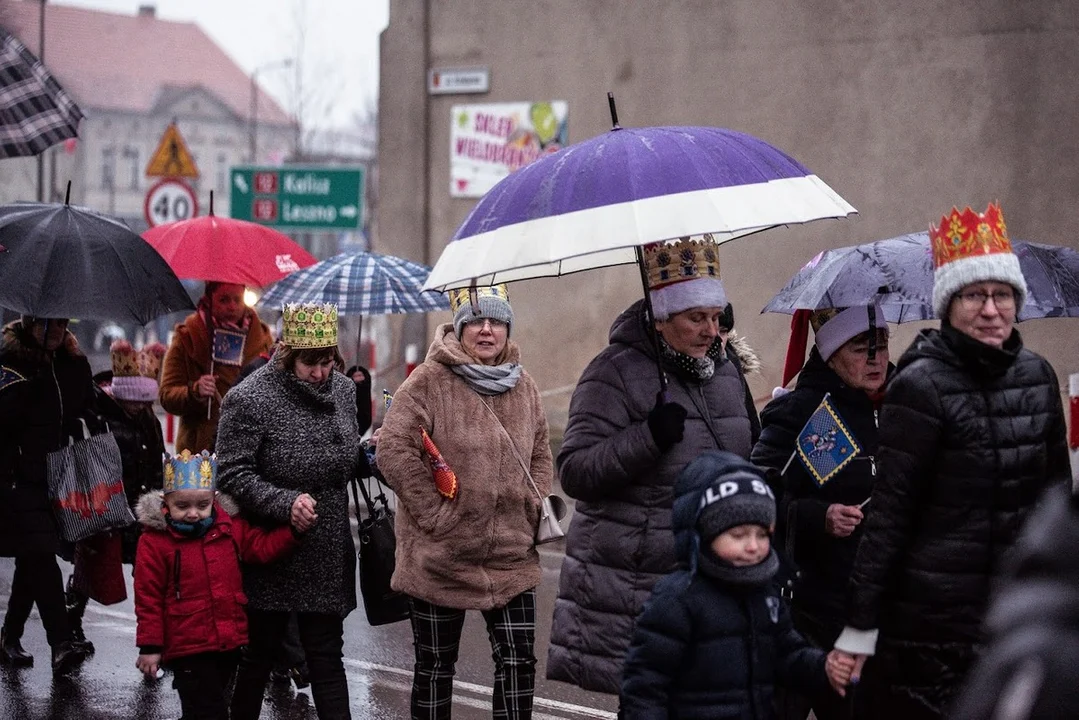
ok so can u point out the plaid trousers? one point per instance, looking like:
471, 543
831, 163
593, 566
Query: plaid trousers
436, 632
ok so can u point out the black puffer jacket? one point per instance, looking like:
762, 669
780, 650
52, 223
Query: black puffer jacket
970, 437
824, 561
140, 441
619, 541
707, 649
1027, 670
42, 395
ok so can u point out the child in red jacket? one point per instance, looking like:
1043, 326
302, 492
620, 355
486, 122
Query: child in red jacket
189, 597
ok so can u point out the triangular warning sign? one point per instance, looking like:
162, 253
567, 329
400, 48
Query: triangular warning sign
172, 158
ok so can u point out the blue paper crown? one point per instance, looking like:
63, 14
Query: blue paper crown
190, 472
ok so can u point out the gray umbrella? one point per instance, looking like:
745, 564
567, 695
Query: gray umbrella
35, 112
899, 273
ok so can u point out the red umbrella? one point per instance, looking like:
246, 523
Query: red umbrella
226, 250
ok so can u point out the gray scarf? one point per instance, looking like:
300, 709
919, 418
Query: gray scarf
489, 379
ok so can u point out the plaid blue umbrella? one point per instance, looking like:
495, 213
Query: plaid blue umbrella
35, 112
360, 284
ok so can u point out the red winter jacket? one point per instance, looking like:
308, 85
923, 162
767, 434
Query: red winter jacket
189, 594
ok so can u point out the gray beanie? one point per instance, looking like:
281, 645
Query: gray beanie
737, 498
490, 302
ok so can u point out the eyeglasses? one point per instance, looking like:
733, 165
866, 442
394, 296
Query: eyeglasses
478, 323
975, 299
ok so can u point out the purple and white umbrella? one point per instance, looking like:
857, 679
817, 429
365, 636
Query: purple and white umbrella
592, 204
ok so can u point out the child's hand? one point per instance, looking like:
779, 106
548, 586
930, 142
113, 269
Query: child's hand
148, 665
838, 666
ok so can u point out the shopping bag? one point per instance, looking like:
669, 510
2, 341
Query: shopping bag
99, 570
86, 486
376, 556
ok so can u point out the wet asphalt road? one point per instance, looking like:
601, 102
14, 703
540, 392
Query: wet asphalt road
378, 661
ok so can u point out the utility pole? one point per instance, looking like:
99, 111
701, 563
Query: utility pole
41, 57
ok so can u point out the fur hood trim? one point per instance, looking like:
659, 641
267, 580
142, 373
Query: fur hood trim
751, 362
148, 508
12, 341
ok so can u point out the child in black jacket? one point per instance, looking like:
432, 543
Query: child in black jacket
715, 639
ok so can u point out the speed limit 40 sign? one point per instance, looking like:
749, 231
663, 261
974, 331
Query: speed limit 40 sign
168, 201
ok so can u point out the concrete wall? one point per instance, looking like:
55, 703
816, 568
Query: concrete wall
903, 108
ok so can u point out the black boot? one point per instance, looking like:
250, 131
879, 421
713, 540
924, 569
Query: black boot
65, 657
76, 608
12, 653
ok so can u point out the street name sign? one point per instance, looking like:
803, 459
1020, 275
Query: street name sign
458, 81
298, 197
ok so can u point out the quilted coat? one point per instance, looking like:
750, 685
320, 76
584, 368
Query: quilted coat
970, 438
476, 551
620, 541
189, 596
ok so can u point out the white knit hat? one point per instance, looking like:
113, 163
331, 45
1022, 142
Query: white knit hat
969, 247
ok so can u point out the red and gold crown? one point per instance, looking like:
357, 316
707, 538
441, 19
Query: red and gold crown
688, 258
967, 234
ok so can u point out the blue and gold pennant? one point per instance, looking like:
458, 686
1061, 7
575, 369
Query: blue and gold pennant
9, 377
229, 347
825, 446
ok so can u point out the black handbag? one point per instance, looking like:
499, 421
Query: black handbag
376, 554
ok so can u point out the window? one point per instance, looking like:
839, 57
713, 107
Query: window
222, 182
108, 168
131, 155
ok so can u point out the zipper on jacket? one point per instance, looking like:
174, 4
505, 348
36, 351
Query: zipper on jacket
176, 572
876, 419
59, 398
872, 466
751, 647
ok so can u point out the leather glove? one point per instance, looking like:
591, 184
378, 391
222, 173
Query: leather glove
667, 422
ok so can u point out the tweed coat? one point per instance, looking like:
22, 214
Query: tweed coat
187, 359
620, 541
475, 552
280, 437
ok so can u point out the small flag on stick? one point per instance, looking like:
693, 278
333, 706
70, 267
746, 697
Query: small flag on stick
445, 478
825, 446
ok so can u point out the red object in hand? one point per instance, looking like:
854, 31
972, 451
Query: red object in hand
1073, 431
445, 478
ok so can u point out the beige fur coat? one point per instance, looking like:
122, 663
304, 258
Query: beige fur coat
475, 552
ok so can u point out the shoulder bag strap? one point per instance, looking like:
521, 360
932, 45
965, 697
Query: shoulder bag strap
513, 446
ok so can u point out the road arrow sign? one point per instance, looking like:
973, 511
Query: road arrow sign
299, 197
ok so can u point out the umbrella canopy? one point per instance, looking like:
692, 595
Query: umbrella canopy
360, 284
591, 204
35, 112
221, 249
63, 261
899, 273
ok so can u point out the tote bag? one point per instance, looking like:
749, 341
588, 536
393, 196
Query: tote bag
378, 544
86, 486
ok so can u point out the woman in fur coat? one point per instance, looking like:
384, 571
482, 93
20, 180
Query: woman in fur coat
469, 544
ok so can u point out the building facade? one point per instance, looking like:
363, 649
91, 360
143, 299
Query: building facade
905, 109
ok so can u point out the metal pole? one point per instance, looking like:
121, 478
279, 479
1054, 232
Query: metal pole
41, 57
253, 119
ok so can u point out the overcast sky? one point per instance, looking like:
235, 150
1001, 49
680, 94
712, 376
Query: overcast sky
341, 42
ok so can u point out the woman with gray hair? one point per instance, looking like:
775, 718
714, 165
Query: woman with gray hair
625, 445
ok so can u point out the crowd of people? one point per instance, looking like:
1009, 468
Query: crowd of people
835, 554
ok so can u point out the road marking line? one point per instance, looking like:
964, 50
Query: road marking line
553, 705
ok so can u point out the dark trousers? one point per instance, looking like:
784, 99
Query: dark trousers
436, 633
322, 637
290, 654
38, 580
203, 682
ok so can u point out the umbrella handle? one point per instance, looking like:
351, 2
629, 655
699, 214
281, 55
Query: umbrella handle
649, 319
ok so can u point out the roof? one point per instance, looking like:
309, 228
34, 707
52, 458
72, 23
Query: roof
125, 62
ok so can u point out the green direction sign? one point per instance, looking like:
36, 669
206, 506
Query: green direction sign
298, 197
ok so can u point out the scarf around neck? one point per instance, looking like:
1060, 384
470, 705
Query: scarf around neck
489, 379
760, 574
699, 369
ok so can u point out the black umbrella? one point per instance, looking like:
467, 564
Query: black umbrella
63, 261
35, 112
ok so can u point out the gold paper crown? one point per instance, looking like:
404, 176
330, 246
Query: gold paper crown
128, 363
311, 325
460, 296
967, 234
190, 472
689, 258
